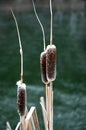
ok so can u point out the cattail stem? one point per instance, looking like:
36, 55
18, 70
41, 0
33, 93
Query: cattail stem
51, 105
46, 97
44, 112
51, 23
21, 51
39, 23
22, 125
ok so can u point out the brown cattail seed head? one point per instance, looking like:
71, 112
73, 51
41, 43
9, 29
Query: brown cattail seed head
51, 62
43, 67
21, 98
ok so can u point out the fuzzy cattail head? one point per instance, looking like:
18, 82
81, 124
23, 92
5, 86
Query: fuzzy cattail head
21, 98
51, 62
43, 67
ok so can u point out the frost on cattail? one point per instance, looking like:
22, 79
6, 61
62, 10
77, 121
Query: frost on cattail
21, 98
43, 67
51, 62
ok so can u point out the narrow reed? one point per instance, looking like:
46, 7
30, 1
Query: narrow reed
31, 120
20, 45
8, 127
44, 111
42, 28
51, 24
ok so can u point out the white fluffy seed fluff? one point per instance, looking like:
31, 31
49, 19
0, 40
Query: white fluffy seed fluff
51, 46
20, 84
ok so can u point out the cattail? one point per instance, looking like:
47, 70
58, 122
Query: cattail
21, 98
51, 62
43, 67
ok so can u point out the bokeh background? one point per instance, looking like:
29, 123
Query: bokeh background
69, 36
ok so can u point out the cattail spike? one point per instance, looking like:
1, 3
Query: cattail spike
21, 98
43, 67
51, 62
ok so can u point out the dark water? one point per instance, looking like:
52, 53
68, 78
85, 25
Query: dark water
69, 35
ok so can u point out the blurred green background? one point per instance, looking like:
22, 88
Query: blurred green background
69, 36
